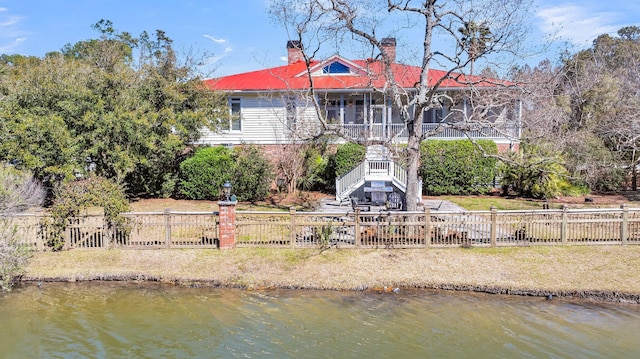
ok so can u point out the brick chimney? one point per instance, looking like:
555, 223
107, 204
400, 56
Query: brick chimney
389, 48
294, 51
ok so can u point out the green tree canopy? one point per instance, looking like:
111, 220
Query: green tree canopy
93, 108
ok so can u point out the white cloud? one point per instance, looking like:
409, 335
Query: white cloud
11, 36
215, 39
224, 53
577, 24
9, 48
11, 21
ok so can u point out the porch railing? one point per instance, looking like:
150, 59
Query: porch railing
399, 131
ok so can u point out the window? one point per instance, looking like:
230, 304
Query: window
291, 109
336, 68
235, 112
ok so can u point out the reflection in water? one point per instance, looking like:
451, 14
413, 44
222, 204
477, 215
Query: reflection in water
107, 320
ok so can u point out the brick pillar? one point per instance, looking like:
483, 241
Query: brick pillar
227, 228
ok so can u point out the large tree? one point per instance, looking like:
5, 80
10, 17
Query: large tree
361, 24
601, 86
585, 110
119, 106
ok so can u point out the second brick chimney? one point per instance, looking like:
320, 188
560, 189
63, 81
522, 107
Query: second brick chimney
294, 51
389, 48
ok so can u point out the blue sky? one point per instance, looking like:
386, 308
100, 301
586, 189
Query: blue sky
239, 35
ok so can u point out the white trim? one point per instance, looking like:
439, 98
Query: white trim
316, 70
231, 100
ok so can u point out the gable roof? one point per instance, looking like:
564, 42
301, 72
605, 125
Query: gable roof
365, 74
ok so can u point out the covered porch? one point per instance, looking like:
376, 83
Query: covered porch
362, 117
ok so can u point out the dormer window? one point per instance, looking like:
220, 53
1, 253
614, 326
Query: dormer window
336, 68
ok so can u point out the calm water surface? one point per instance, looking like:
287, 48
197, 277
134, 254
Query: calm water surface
117, 320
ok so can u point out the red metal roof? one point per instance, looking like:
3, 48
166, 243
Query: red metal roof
294, 77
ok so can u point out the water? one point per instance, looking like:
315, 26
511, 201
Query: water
118, 320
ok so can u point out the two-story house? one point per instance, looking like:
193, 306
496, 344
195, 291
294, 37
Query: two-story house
273, 106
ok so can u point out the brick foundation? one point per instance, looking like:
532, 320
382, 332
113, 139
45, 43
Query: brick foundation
508, 147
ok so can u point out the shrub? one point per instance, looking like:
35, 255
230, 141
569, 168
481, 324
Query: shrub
253, 174
289, 163
14, 256
589, 160
315, 167
18, 191
457, 167
203, 174
94, 191
535, 173
346, 158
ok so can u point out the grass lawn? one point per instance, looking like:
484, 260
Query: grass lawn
304, 201
601, 272
484, 203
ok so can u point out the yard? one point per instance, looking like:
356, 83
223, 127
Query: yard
602, 272
306, 201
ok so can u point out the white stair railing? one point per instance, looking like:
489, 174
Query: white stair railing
400, 175
379, 169
344, 183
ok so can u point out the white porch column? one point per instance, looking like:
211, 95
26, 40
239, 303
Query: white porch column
341, 110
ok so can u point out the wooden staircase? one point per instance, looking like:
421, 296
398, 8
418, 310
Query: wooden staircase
377, 167
388, 171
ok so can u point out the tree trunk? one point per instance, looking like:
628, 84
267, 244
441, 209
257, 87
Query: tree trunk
413, 164
634, 177
634, 172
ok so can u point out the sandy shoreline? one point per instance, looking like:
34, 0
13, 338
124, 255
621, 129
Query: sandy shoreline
600, 273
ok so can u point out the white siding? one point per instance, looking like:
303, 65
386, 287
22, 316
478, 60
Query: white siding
263, 123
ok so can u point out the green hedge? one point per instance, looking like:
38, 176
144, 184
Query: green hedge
246, 167
346, 158
203, 174
457, 167
253, 175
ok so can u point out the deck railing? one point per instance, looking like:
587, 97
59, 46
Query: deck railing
355, 229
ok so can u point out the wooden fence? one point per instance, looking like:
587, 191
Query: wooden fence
345, 230
140, 230
439, 229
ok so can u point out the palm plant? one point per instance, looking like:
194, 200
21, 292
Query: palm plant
475, 39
